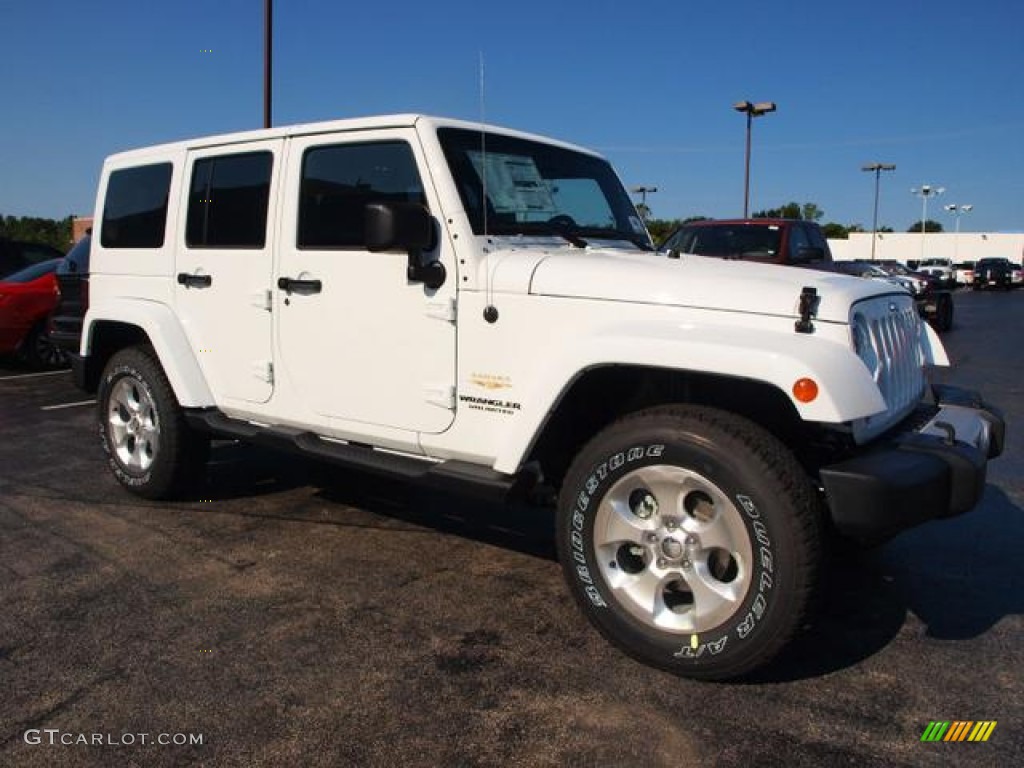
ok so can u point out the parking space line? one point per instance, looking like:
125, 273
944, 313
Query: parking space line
66, 405
32, 375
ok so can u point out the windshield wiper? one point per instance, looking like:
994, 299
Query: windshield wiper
569, 237
641, 242
565, 227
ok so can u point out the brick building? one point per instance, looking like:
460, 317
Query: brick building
79, 226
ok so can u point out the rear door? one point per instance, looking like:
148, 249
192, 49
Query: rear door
223, 266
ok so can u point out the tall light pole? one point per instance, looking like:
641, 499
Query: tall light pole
268, 58
877, 169
751, 111
957, 211
643, 192
924, 192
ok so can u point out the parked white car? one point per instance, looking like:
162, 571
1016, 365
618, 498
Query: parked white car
430, 300
963, 272
942, 269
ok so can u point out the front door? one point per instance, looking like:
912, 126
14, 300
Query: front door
356, 338
223, 266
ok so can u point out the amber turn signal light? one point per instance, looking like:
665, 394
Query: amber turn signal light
805, 390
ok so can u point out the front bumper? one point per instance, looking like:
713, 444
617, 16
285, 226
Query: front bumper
933, 471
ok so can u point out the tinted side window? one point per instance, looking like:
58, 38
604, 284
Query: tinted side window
135, 209
339, 180
816, 238
227, 201
797, 240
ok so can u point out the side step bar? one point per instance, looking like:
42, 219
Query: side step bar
448, 475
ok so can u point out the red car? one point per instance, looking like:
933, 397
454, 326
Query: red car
27, 297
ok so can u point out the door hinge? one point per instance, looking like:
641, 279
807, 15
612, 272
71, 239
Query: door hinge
443, 396
263, 299
263, 370
442, 310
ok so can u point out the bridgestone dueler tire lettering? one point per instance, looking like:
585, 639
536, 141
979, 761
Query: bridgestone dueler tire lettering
179, 455
781, 531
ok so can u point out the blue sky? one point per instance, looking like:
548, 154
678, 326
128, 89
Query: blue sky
935, 87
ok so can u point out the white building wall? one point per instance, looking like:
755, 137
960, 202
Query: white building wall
906, 246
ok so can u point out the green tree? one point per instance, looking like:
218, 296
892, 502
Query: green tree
930, 225
792, 210
835, 231
811, 212
55, 232
661, 228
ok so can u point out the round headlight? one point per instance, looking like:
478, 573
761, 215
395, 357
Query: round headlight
861, 338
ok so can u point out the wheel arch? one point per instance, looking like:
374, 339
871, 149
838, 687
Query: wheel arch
602, 394
127, 323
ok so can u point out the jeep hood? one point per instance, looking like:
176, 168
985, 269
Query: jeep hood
698, 282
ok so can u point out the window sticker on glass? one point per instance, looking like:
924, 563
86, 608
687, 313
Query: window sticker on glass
514, 185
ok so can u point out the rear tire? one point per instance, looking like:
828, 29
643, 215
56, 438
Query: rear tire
40, 352
691, 538
150, 448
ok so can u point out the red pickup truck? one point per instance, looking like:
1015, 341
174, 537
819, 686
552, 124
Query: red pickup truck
790, 242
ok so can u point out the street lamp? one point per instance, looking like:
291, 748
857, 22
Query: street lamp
643, 192
268, 57
877, 169
751, 111
924, 192
957, 211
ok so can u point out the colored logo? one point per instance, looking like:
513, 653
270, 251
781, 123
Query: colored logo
958, 730
490, 381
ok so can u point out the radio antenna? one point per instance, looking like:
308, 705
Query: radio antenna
483, 145
490, 311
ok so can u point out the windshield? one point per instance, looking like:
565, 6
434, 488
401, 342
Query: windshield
538, 189
740, 240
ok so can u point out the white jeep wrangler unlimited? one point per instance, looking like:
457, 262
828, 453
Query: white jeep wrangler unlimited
438, 301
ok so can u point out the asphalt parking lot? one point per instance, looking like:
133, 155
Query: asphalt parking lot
298, 615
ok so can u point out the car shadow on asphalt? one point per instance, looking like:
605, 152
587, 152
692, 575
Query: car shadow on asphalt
513, 525
238, 471
957, 577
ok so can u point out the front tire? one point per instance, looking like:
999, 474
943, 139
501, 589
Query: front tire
150, 449
691, 539
944, 314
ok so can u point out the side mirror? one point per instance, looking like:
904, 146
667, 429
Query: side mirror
398, 227
405, 227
